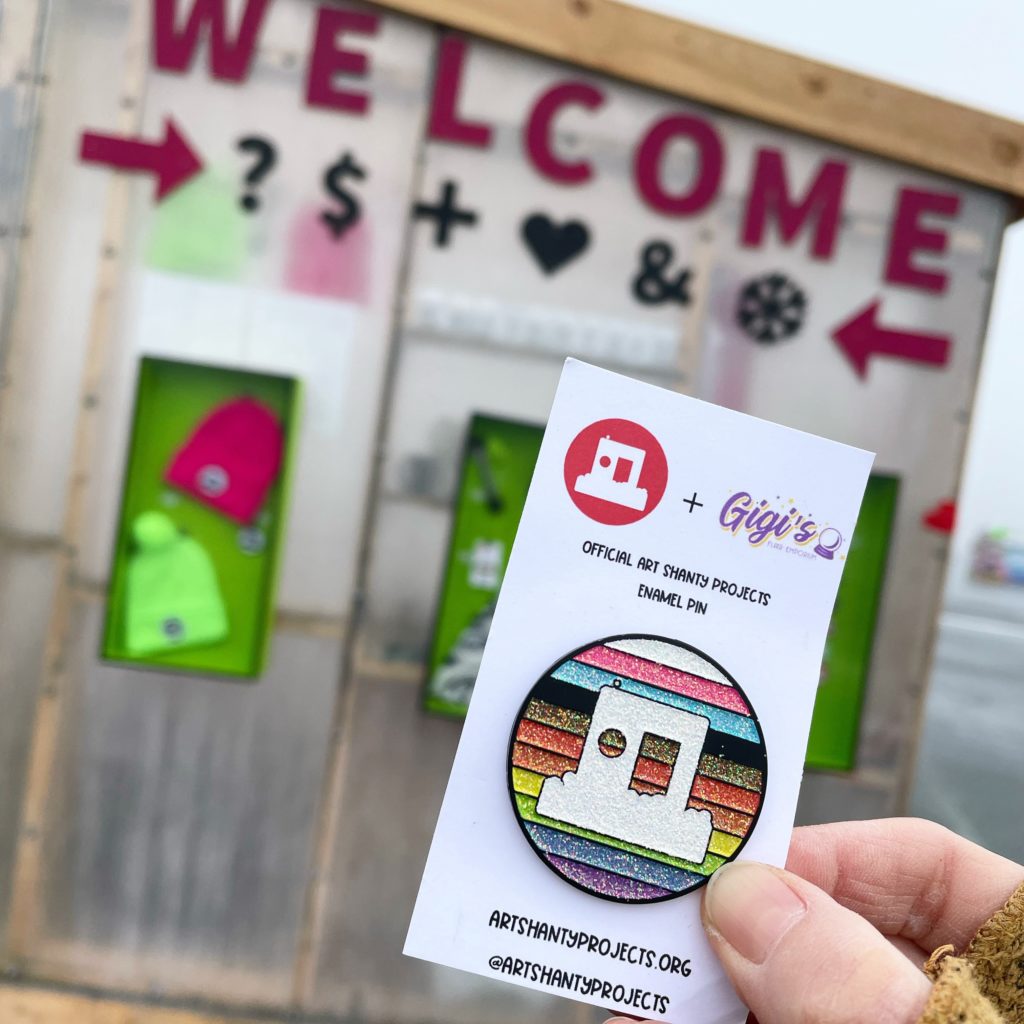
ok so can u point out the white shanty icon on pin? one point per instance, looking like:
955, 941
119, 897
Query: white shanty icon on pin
598, 797
615, 475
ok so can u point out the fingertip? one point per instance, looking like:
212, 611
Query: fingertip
751, 906
793, 953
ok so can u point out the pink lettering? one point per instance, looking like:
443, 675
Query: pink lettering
537, 134
710, 163
329, 59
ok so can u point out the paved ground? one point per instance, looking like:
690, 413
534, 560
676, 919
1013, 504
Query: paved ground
971, 767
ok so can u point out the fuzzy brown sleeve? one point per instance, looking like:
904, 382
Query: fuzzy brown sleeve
996, 955
986, 984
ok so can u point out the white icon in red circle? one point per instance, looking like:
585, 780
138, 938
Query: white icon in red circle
615, 472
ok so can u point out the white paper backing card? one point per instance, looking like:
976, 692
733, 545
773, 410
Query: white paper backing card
555, 600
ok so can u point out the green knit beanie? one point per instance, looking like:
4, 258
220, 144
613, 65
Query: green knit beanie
172, 595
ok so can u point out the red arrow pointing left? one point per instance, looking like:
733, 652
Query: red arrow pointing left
173, 161
862, 337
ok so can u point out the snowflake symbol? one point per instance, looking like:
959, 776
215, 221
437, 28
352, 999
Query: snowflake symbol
771, 308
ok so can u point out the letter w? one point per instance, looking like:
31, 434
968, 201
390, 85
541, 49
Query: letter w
173, 49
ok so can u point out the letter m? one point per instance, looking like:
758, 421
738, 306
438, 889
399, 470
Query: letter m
821, 206
174, 43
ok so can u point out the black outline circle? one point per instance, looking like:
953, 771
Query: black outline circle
512, 741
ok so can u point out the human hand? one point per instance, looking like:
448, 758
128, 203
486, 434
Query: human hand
840, 937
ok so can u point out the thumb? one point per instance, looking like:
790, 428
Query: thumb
796, 956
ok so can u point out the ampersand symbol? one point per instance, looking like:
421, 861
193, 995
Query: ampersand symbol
650, 286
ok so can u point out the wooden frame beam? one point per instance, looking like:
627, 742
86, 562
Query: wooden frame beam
750, 79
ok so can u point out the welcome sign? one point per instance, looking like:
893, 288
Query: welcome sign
683, 165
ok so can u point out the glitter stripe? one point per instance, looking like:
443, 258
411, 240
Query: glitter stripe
724, 844
526, 782
671, 655
585, 851
647, 787
560, 718
726, 795
543, 761
728, 771
659, 749
665, 677
612, 740
595, 880
589, 678
656, 774
647, 770
528, 812
555, 740
723, 819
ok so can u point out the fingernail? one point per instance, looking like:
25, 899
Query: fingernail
751, 908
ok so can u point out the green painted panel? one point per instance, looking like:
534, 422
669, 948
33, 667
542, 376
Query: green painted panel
844, 669
497, 466
192, 585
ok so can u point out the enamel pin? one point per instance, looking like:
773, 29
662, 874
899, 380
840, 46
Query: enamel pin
636, 768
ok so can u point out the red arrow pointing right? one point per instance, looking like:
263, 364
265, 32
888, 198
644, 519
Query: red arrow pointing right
861, 337
173, 161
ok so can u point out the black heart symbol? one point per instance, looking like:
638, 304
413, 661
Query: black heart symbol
553, 245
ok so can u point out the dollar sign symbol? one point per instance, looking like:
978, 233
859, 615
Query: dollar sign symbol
339, 221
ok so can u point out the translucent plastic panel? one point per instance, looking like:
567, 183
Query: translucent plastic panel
27, 575
178, 835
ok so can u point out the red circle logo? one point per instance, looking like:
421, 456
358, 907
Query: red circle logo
615, 472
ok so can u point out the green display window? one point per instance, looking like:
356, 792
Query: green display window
497, 465
844, 668
199, 533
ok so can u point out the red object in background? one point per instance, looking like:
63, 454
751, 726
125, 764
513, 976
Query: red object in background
537, 135
230, 58
173, 161
710, 164
445, 122
941, 518
330, 60
821, 207
862, 337
910, 236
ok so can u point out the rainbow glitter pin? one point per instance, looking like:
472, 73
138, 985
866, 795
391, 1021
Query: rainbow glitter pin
637, 768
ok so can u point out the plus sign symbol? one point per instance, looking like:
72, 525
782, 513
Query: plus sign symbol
445, 213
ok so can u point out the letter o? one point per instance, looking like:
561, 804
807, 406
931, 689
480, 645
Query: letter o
710, 164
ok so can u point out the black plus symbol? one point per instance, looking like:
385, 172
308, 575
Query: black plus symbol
445, 213
693, 501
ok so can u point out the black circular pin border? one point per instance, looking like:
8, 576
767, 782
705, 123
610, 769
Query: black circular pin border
755, 817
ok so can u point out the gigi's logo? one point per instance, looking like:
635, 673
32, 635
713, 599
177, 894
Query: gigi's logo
785, 530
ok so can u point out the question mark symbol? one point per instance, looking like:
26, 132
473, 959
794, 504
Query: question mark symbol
266, 158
